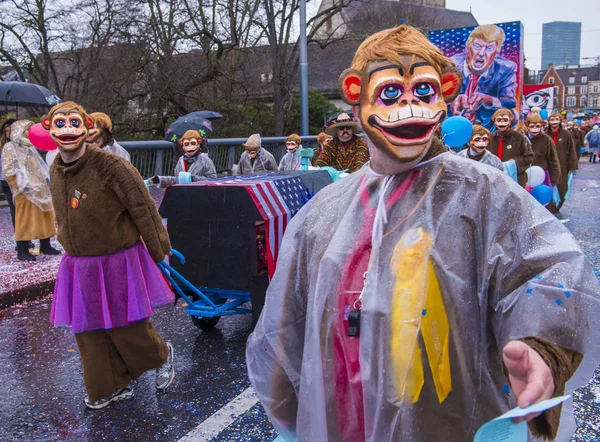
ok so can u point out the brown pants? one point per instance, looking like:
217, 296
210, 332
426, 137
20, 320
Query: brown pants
112, 358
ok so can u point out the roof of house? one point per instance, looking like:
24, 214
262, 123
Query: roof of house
592, 73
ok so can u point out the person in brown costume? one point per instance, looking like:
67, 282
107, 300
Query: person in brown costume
565, 148
544, 153
578, 137
508, 144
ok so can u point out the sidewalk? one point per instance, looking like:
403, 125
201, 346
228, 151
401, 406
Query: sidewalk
23, 280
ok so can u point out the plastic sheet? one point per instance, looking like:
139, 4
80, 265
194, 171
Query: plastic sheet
505, 268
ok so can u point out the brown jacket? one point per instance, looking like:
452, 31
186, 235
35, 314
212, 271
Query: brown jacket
544, 155
567, 156
102, 206
514, 147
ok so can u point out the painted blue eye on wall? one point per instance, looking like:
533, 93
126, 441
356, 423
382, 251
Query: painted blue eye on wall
390, 94
75, 122
424, 91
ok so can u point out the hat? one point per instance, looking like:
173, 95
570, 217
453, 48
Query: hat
253, 141
344, 118
595, 127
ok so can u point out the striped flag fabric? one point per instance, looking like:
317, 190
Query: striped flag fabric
277, 198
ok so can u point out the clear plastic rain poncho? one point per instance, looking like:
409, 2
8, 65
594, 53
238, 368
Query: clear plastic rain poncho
463, 260
21, 160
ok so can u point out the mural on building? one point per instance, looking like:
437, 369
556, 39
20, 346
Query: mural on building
538, 95
491, 60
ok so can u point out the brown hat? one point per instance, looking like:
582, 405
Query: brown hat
253, 142
341, 119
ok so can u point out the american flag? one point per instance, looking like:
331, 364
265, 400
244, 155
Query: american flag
277, 198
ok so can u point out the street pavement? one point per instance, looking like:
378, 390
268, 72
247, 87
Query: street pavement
41, 388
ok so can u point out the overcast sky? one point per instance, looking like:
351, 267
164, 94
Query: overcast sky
533, 15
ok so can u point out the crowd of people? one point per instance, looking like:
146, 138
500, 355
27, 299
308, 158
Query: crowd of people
418, 279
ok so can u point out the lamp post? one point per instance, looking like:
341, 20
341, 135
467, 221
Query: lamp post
303, 72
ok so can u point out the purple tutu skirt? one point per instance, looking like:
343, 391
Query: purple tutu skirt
108, 291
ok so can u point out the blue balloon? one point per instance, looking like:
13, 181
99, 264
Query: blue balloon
544, 113
582, 150
542, 193
456, 131
578, 121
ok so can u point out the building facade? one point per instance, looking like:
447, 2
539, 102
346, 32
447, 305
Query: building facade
575, 88
551, 77
561, 43
594, 94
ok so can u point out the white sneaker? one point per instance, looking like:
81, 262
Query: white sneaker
123, 393
166, 373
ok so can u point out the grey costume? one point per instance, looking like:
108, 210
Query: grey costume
263, 162
507, 269
290, 161
488, 158
117, 149
201, 169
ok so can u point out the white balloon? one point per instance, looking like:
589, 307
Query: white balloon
535, 176
50, 156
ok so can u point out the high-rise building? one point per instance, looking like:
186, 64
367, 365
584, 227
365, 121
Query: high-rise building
561, 43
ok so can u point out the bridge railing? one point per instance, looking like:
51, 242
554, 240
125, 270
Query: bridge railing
159, 157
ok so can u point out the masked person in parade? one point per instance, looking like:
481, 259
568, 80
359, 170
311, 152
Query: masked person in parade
101, 135
400, 307
477, 149
108, 283
508, 144
346, 151
567, 156
255, 158
27, 174
578, 137
192, 161
290, 160
544, 153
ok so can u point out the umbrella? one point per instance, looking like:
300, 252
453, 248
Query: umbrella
19, 93
190, 121
209, 115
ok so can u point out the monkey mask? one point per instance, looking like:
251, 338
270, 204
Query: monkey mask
554, 120
535, 125
102, 123
190, 142
398, 85
69, 125
502, 119
480, 139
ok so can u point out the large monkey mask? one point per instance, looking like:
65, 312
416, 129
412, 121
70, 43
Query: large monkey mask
69, 125
398, 86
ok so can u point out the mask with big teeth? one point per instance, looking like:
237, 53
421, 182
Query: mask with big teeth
190, 142
480, 139
554, 121
69, 125
400, 105
502, 123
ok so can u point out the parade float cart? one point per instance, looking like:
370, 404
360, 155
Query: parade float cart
226, 234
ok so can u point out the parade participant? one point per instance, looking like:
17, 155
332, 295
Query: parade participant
508, 144
255, 158
578, 137
477, 149
544, 153
346, 150
101, 135
5, 138
107, 283
592, 141
290, 160
368, 333
199, 166
565, 148
27, 174
490, 80
322, 140
535, 110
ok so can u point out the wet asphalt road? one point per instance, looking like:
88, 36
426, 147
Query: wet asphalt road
41, 388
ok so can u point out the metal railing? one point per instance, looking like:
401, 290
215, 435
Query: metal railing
159, 157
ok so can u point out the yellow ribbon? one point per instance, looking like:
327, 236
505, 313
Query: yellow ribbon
418, 306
